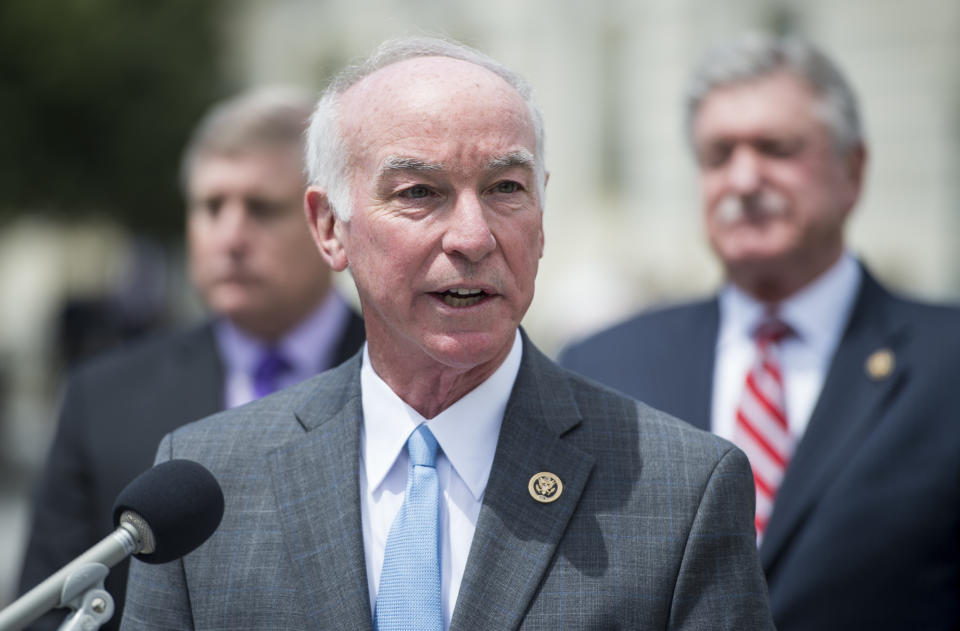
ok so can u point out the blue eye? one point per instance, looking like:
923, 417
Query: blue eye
417, 192
507, 187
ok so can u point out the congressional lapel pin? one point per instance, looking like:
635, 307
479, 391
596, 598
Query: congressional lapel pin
880, 364
545, 487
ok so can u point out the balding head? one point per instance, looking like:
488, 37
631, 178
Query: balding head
327, 159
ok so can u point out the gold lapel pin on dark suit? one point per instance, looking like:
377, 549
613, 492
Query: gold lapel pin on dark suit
880, 364
545, 487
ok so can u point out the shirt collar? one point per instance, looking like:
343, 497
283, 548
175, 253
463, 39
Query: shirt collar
467, 431
312, 344
817, 313
308, 348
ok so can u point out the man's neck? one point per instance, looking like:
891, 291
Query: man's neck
775, 282
430, 386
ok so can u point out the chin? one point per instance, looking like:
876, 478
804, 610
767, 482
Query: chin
759, 269
752, 259
759, 251
240, 311
467, 350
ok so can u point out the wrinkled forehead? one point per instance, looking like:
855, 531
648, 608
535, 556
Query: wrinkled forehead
781, 92
281, 163
428, 91
426, 78
776, 104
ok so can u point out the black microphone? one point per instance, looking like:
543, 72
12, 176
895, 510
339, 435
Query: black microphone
165, 513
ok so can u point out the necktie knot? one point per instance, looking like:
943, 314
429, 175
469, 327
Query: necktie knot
271, 366
422, 446
771, 330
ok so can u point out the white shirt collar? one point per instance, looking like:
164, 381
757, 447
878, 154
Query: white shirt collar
466, 431
817, 313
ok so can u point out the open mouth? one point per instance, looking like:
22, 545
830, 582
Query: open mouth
460, 297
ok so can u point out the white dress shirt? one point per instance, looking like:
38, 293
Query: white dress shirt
467, 433
818, 315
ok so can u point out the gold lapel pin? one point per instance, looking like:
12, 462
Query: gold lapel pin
545, 487
880, 364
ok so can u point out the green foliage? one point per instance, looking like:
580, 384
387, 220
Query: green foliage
97, 98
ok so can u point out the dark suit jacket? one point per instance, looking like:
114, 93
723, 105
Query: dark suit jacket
865, 532
115, 411
653, 528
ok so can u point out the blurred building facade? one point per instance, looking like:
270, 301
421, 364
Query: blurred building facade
623, 219
622, 211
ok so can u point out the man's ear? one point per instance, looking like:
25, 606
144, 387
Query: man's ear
325, 227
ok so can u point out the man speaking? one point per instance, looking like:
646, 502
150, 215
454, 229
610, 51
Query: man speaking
450, 476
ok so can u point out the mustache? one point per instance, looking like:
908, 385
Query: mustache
761, 205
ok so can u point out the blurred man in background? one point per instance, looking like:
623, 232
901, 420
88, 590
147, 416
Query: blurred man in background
842, 394
276, 321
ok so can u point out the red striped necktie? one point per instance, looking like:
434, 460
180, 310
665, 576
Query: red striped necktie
761, 428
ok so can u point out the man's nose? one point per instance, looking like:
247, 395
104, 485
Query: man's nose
468, 232
744, 171
233, 227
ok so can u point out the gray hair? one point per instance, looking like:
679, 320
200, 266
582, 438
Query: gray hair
263, 118
756, 55
326, 155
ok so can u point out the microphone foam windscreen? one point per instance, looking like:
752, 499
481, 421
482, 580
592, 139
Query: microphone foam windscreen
181, 502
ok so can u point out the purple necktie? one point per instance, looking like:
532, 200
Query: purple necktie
269, 369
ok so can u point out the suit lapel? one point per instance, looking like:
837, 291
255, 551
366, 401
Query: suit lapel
315, 479
516, 536
849, 406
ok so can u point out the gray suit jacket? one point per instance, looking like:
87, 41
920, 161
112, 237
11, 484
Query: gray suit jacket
653, 530
116, 409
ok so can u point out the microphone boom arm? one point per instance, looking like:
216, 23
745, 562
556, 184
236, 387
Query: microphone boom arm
48, 595
83, 592
166, 512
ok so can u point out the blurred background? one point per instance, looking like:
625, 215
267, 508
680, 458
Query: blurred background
97, 98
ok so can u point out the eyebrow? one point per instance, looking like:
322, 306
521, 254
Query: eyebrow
518, 158
393, 164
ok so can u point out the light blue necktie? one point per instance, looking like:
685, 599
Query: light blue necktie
409, 594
